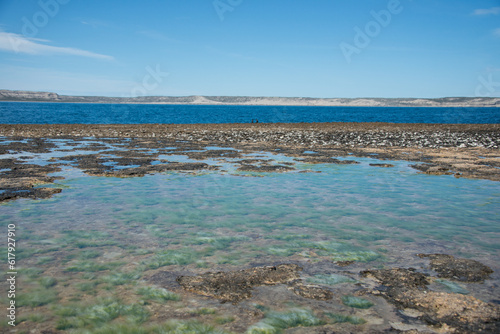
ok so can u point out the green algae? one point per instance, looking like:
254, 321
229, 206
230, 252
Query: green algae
452, 286
171, 257
356, 302
277, 322
340, 251
84, 239
341, 318
92, 266
32, 272
87, 287
204, 311
217, 242
224, 320
329, 279
120, 278
170, 327
36, 297
96, 315
159, 295
44, 259
47, 282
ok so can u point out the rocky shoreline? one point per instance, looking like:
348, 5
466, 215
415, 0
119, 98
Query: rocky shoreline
302, 134
464, 150
469, 151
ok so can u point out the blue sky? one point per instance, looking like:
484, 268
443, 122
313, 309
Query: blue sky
321, 48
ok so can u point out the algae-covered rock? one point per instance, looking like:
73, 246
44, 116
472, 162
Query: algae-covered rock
237, 285
311, 291
407, 289
465, 270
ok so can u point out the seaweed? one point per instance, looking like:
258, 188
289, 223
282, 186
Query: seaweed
158, 295
277, 322
356, 302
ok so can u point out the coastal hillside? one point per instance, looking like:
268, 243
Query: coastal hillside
28, 96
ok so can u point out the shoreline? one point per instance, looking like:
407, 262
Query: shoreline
463, 150
148, 129
458, 106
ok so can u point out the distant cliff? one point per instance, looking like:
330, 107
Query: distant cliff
26, 96
21, 95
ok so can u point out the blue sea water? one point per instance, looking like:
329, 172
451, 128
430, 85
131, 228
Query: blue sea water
79, 113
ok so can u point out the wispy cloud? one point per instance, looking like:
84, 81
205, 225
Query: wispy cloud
19, 44
496, 32
487, 11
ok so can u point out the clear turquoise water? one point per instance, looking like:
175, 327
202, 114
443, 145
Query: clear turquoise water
85, 255
362, 208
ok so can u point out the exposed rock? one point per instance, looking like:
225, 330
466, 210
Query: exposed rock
465, 270
33, 145
382, 165
18, 180
433, 169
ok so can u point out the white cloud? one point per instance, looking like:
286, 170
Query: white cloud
496, 32
487, 11
19, 44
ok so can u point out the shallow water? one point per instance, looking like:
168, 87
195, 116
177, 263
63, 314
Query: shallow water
212, 220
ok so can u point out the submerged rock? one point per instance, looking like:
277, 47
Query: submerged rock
464, 270
465, 314
311, 291
235, 286
399, 278
433, 169
27, 192
326, 160
266, 168
344, 263
407, 289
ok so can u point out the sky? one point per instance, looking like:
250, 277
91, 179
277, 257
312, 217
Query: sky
320, 48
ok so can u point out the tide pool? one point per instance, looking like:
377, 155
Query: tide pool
102, 239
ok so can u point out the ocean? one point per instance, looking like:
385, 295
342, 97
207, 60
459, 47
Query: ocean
80, 113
